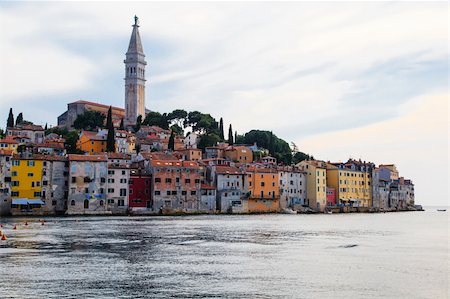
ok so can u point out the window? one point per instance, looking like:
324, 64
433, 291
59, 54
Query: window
168, 180
102, 191
177, 180
53, 202
86, 190
197, 181
14, 193
174, 192
157, 192
120, 202
123, 172
123, 192
30, 163
193, 192
44, 183
37, 194
14, 173
74, 179
262, 194
130, 182
38, 184
110, 171
110, 180
157, 180
123, 181
168, 192
110, 190
30, 174
32, 184
16, 163
101, 202
72, 202
187, 181
102, 180
262, 184
183, 192
15, 183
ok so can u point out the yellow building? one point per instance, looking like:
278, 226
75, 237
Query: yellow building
26, 177
316, 183
8, 143
264, 190
352, 182
92, 142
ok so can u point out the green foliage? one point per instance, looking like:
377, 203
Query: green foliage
89, 120
138, 124
110, 139
57, 130
222, 135
177, 129
299, 157
171, 145
156, 119
277, 147
178, 116
202, 123
239, 139
10, 121
2, 133
230, 135
19, 119
71, 143
208, 140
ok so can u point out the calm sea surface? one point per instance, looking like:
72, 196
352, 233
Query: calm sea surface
392, 255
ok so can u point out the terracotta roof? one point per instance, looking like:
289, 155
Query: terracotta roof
27, 127
207, 187
121, 156
159, 156
93, 136
228, 170
57, 145
9, 139
98, 105
93, 158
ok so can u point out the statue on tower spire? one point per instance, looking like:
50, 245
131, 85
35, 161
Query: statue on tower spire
136, 20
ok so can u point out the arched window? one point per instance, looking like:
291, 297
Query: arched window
86, 204
72, 203
101, 202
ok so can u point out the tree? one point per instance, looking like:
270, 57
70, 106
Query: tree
277, 147
222, 136
19, 119
171, 145
299, 157
177, 129
89, 120
46, 127
137, 126
156, 119
208, 140
110, 140
235, 137
178, 116
10, 122
2, 134
121, 127
230, 135
271, 144
71, 143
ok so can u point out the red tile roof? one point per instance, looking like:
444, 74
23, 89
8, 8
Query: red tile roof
92, 158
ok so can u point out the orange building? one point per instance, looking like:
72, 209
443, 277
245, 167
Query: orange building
9, 143
92, 142
240, 154
263, 190
192, 154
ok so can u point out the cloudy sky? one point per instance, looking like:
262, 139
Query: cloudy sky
362, 80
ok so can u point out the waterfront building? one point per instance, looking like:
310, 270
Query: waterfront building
230, 185
352, 182
207, 199
176, 185
134, 78
77, 108
380, 191
5, 181
26, 176
87, 184
316, 183
262, 190
139, 188
331, 197
388, 172
55, 176
118, 187
292, 187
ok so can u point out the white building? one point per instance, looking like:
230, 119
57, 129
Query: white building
292, 187
117, 188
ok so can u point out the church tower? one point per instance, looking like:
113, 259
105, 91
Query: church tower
134, 78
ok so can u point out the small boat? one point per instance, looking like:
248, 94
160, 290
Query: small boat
329, 212
289, 211
441, 210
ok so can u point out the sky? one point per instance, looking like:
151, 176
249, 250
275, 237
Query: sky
341, 80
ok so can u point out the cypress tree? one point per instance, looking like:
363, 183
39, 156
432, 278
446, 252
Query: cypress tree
137, 127
110, 141
171, 144
230, 135
46, 128
121, 127
10, 122
19, 119
222, 135
235, 137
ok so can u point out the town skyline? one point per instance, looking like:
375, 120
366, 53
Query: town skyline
407, 77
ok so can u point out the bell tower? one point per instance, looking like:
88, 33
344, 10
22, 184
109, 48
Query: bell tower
134, 78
